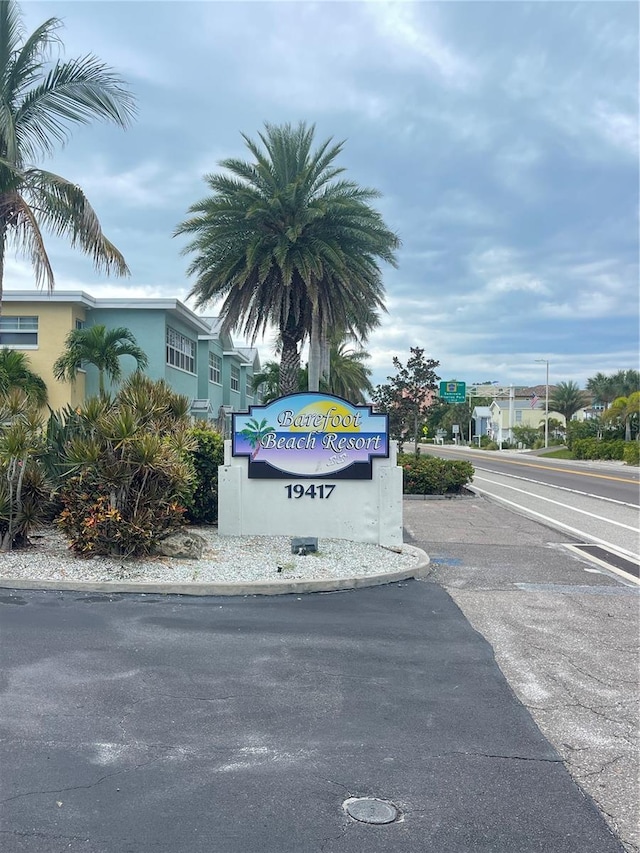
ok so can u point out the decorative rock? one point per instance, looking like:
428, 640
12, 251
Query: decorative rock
189, 546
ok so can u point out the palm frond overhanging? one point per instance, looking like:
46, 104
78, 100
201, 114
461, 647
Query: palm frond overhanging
40, 101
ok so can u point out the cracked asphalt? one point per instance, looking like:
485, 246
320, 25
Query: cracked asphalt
566, 636
166, 724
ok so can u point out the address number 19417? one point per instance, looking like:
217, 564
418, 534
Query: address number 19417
298, 491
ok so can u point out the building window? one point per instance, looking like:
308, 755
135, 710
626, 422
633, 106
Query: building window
235, 378
80, 324
519, 416
19, 332
249, 389
181, 351
215, 368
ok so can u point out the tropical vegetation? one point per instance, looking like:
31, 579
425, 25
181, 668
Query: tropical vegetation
16, 374
101, 347
348, 376
126, 479
41, 100
288, 243
625, 410
25, 489
605, 388
567, 399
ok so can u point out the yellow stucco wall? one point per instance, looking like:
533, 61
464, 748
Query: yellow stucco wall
55, 321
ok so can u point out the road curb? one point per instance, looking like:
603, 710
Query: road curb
291, 587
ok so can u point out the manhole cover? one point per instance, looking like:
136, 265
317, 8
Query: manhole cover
370, 810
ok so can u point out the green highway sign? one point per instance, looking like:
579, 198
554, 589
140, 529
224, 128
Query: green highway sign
453, 392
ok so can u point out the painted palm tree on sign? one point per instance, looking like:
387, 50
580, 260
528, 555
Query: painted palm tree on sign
16, 373
254, 432
287, 244
39, 101
101, 347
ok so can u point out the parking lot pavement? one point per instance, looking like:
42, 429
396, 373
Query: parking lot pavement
565, 634
135, 723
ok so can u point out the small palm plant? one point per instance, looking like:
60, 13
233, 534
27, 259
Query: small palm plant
25, 490
101, 347
254, 432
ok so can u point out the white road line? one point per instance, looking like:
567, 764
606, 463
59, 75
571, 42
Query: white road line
554, 486
554, 523
559, 503
593, 559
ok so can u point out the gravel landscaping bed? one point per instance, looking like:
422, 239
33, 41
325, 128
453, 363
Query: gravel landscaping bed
225, 560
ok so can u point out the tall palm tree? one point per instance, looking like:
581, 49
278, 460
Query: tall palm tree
286, 244
627, 410
602, 388
567, 399
15, 372
626, 382
349, 377
101, 347
39, 101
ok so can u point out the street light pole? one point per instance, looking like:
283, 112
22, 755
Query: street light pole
546, 402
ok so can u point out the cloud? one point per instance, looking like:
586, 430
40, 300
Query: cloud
413, 40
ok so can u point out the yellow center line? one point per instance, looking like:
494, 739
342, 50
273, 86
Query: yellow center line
554, 468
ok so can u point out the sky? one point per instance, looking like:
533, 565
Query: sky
502, 136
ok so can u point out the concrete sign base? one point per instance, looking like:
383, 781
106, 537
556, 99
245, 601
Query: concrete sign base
356, 510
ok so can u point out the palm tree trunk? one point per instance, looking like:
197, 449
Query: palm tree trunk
101, 382
315, 353
289, 365
325, 360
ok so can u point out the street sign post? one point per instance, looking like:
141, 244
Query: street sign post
453, 392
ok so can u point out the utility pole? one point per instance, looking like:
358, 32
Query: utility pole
546, 402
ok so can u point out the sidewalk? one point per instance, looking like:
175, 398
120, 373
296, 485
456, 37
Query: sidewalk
565, 636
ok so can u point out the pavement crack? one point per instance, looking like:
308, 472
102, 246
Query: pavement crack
82, 787
340, 785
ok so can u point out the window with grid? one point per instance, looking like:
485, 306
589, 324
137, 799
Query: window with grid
235, 378
215, 368
19, 332
518, 416
181, 351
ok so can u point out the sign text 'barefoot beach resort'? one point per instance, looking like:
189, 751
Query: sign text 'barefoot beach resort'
310, 435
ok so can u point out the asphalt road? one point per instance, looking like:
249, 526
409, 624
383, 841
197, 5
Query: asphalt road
143, 723
577, 499
613, 483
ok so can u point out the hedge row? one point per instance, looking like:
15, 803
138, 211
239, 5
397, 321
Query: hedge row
592, 448
430, 475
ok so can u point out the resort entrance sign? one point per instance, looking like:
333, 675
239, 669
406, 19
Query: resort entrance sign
310, 435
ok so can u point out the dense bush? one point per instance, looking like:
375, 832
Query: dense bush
592, 448
430, 475
632, 452
124, 467
205, 457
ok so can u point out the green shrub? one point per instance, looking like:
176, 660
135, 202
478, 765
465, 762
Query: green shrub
430, 475
207, 454
125, 473
631, 454
593, 448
